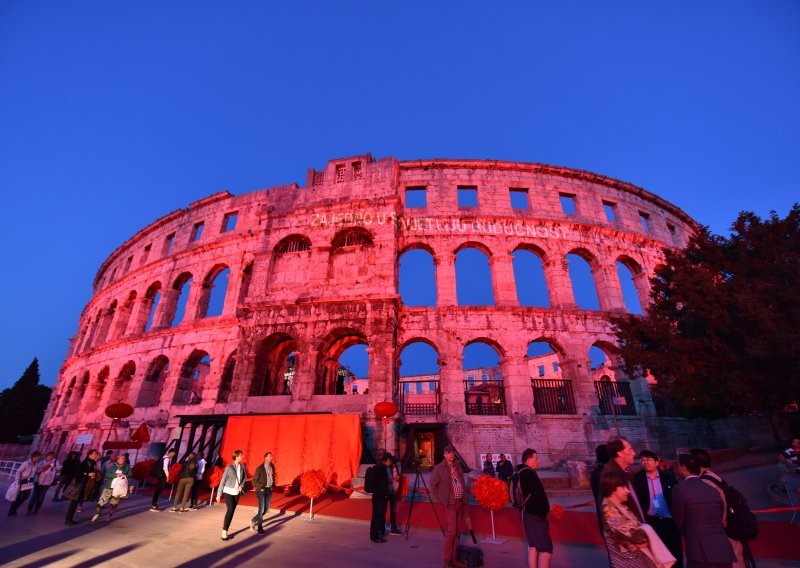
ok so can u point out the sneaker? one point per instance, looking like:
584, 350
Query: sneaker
70, 523
378, 540
154, 508
261, 531
95, 517
396, 531
79, 509
174, 510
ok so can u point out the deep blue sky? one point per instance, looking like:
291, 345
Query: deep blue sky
113, 114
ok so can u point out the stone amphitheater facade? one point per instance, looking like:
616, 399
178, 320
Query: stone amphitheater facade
314, 270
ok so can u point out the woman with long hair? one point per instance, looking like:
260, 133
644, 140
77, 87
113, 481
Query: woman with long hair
232, 487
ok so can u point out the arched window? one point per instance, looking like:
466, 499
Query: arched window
125, 314
226, 381
293, 243
215, 288
332, 374
193, 377
487, 395
99, 386
152, 299
529, 279
247, 277
420, 392
473, 278
584, 289
274, 366
626, 269
552, 391
613, 392
183, 284
154, 379
350, 238
122, 384
417, 278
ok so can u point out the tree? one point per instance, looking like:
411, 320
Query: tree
722, 334
23, 405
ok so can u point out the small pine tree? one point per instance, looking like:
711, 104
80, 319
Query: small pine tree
23, 405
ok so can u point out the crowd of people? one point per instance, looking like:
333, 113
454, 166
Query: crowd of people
646, 517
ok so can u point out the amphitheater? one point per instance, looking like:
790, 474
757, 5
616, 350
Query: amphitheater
301, 274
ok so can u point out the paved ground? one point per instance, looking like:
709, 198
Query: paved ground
139, 538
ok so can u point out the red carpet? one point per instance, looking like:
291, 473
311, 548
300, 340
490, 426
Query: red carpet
777, 540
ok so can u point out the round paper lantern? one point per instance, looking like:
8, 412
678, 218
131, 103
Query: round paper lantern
119, 410
312, 483
385, 409
490, 492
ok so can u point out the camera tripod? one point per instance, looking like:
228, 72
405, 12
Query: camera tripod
417, 478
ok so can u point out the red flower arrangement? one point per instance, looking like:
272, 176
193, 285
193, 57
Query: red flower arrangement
557, 512
490, 492
216, 476
174, 472
312, 483
141, 470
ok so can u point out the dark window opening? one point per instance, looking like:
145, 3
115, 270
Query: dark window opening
567, 203
467, 196
197, 231
416, 197
229, 222
611, 211
519, 198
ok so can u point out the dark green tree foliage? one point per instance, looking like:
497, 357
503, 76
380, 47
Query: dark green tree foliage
722, 335
23, 405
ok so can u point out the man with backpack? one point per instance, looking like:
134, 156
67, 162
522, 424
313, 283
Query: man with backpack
161, 472
527, 493
740, 522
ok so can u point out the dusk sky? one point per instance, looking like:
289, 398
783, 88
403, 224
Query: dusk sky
113, 114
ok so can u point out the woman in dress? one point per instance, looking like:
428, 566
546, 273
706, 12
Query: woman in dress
627, 543
113, 472
232, 487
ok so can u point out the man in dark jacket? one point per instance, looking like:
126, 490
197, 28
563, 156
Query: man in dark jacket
448, 488
698, 510
161, 472
654, 492
377, 482
534, 514
87, 475
504, 469
621, 457
263, 483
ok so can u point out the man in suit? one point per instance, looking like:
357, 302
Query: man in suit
621, 457
698, 511
377, 482
654, 491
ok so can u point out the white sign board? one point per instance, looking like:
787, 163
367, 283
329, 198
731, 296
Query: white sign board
83, 439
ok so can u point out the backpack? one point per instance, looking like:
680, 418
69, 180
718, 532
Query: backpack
741, 521
515, 495
157, 470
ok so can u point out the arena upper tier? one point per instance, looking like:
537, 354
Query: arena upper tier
307, 272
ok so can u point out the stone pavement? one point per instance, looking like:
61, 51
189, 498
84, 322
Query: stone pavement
139, 538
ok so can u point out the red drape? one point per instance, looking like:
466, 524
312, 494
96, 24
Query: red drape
298, 442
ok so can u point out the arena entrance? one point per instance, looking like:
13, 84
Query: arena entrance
423, 443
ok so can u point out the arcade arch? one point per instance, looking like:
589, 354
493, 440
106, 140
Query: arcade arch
274, 366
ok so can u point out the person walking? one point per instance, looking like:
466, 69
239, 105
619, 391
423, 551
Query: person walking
698, 509
232, 487
161, 473
654, 492
186, 480
447, 486
201, 469
71, 465
114, 487
263, 483
376, 482
83, 483
534, 513
45, 476
26, 475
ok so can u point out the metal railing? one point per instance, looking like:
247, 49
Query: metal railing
485, 398
9, 469
425, 399
615, 398
552, 396
663, 404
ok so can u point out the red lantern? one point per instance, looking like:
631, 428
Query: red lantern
385, 409
119, 410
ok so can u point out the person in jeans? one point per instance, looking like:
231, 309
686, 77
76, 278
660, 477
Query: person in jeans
161, 472
377, 482
263, 483
448, 488
201, 469
113, 471
25, 477
185, 483
232, 487
534, 514
45, 476
394, 490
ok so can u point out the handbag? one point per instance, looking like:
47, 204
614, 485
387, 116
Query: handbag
72, 492
13, 491
26, 485
660, 553
119, 487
